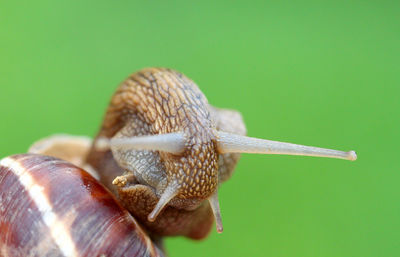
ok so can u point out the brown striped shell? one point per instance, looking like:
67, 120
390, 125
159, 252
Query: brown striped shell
49, 207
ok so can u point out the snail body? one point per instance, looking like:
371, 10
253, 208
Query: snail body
164, 150
164, 102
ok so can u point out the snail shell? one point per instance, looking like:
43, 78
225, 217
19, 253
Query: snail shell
50, 207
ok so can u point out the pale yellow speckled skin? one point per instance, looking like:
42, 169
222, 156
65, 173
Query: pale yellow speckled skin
160, 101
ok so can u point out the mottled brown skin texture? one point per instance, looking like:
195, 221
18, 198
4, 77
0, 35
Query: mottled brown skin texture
160, 101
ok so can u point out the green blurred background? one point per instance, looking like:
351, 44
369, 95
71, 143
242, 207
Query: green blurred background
309, 72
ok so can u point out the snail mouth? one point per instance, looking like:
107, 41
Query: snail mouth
128, 183
125, 180
140, 200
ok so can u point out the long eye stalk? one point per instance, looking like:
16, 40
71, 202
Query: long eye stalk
172, 143
231, 143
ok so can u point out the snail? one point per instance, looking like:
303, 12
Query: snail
164, 151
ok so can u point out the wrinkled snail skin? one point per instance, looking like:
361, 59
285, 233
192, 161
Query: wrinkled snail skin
164, 151
158, 101
50, 207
